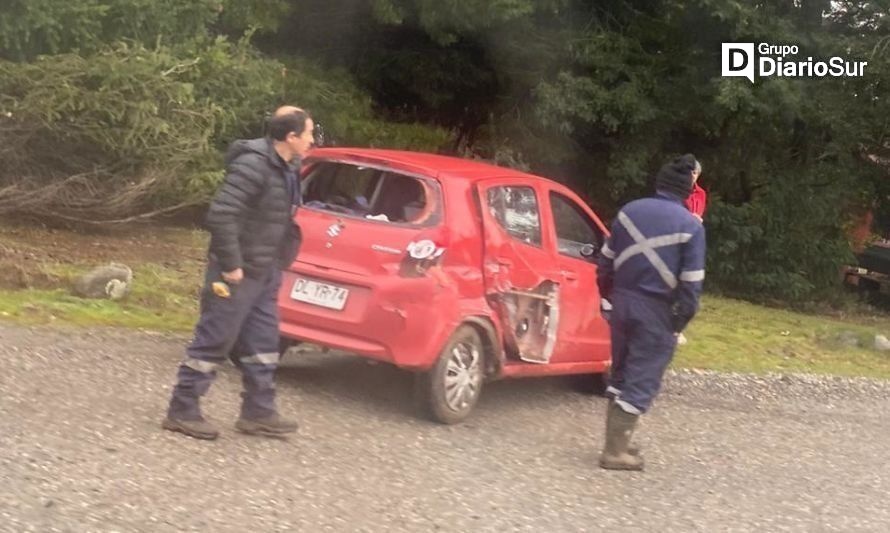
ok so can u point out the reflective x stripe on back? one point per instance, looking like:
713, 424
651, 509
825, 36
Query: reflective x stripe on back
647, 248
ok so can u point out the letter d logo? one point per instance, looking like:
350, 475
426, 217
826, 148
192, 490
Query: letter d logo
738, 60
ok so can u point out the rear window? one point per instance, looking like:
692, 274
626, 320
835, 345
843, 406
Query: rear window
372, 193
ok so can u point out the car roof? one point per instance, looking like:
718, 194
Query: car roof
423, 163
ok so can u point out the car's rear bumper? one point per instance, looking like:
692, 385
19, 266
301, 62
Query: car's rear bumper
404, 321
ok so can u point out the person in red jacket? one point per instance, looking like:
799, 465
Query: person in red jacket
698, 197
695, 203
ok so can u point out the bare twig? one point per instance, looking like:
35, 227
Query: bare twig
133, 218
181, 67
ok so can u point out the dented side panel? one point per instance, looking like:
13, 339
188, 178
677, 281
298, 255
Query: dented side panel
510, 284
519, 269
532, 321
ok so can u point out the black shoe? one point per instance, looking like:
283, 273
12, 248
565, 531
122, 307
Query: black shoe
199, 429
269, 426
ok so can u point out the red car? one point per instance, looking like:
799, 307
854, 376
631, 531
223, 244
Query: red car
458, 270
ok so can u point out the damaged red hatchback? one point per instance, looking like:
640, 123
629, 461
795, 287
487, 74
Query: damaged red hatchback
456, 269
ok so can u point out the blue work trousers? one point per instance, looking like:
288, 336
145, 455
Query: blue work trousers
242, 327
643, 344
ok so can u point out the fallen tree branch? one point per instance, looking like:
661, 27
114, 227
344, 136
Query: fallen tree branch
133, 218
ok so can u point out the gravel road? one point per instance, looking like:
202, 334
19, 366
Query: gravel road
81, 450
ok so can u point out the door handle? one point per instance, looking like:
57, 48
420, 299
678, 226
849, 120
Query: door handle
503, 261
569, 275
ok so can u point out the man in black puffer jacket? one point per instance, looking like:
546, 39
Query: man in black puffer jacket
252, 237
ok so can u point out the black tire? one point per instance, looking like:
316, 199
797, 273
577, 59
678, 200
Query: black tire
448, 392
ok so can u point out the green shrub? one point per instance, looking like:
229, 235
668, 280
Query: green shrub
131, 130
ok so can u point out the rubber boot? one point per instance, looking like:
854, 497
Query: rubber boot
632, 448
619, 428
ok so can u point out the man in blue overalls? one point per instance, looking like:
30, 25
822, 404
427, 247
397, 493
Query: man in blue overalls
252, 237
651, 270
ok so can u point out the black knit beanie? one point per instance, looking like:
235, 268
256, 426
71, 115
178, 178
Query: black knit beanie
676, 177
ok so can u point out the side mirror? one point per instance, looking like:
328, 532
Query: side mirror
587, 251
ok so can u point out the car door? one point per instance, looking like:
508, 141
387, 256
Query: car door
519, 267
583, 334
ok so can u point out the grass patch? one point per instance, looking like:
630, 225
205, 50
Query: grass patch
37, 267
162, 298
167, 268
39, 307
732, 335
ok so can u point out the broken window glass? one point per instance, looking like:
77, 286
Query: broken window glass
372, 193
516, 210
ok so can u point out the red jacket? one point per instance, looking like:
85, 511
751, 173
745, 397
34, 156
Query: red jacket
697, 200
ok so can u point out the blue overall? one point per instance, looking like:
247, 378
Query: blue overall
651, 269
242, 327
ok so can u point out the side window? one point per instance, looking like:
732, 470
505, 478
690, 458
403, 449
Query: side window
574, 228
516, 210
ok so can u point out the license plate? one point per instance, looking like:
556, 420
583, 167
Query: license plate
321, 294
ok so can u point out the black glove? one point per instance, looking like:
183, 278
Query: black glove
679, 320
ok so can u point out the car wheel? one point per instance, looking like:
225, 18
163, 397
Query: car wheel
450, 390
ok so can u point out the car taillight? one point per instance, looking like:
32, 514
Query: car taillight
420, 256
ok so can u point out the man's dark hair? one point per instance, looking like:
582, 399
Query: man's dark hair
281, 125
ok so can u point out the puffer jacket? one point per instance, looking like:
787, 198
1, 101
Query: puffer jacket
251, 216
